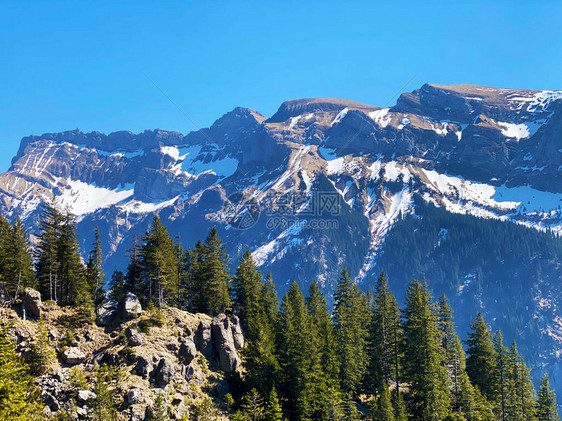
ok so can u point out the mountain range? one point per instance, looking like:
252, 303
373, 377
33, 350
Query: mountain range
459, 184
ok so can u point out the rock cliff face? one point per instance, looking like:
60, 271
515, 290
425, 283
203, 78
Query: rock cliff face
317, 186
168, 357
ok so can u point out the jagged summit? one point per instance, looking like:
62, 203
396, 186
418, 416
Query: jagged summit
295, 107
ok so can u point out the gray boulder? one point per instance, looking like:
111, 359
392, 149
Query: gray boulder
135, 337
223, 341
85, 395
134, 396
164, 372
188, 350
32, 302
73, 355
143, 367
107, 312
131, 307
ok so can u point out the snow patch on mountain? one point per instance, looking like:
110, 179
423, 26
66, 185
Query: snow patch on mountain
381, 117
82, 198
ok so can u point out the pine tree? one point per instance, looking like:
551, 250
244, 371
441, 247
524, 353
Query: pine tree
19, 397
270, 300
351, 316
253, 405
207, 276
215, 276
158, 412
546, 402
385, 337
48, 264
383, 407
4, 253
71, 272
399, 406
102, 405
94, 269
117, 288
158, 263
480, 364
501, 374
18, 262
325, 333
520, 403
133, 275
423, 369
273, 411
296, 347
247, 294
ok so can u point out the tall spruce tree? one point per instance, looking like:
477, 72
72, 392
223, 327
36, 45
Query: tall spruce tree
133, 275
385, 337
423, 369
501, 375
296, 348
158, 263
481, 364
546, 402
247, 294
94, 269
47, 261
520, 404
352, 319
74, 288
18, 261
208, 276
325, 334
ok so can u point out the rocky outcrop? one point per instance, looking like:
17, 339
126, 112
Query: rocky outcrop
224, 330
73, 356
164, 372
32, 302
131, 306
107, 312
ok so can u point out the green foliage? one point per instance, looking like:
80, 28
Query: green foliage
117, 289
351, 318
385, 337
102, 407
16, 265
273, 411
422, 357
60, 273
159, 410
94, 269
42, 354
19, 398
158, 264
480, 364
204, 411
546, 402
383, 410
208, 276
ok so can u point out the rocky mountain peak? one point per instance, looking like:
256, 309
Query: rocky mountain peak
296, 107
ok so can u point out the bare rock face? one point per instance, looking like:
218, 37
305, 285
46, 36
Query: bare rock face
32, 302
202, 339
131, 307
164, 372
107, 312
134, 337
188, 350
73, 356
223, 340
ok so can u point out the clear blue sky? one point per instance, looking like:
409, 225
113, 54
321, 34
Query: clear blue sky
67, 65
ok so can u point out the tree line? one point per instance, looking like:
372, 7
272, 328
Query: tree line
365, 358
